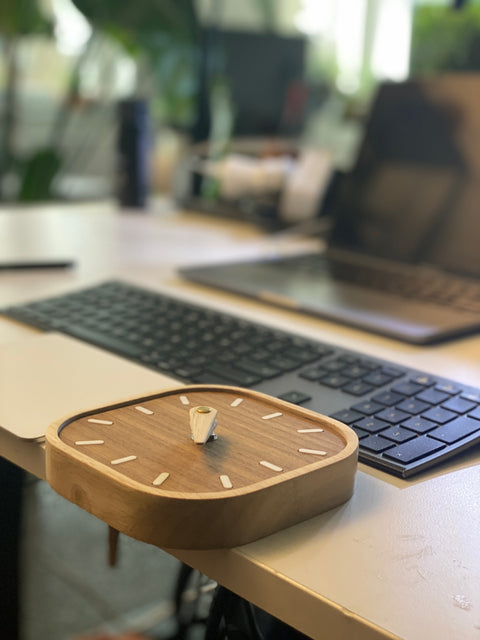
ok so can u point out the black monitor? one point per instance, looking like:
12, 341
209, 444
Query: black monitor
414, 192
265, 76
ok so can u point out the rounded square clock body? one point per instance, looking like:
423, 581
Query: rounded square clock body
202, 466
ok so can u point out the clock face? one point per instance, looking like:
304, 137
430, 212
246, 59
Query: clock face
150, 441
202, 466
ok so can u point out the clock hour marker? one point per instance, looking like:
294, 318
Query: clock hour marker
277, 414
309, 430
144, 410
236, 402
160, 479
226, 482
184, 400
122, 460
314, 452
270, 465
82, 442
98, 421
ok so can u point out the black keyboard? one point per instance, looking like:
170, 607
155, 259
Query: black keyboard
406, 420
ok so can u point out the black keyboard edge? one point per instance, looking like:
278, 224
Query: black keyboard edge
17, 312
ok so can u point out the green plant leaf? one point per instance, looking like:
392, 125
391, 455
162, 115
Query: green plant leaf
444, 39
22, 17
141, 17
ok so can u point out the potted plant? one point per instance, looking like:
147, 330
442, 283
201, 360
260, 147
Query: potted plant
17, 21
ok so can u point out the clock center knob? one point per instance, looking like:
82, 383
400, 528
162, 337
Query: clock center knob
203, 421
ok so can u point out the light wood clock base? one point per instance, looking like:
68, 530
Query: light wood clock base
202, 466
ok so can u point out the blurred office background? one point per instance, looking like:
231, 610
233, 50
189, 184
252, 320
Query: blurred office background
250, 81
263, 78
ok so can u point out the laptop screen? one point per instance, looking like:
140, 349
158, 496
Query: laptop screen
414, 192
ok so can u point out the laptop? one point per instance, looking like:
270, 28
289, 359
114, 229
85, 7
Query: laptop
403, 254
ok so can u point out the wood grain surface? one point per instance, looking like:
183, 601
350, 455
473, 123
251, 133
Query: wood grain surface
282, 464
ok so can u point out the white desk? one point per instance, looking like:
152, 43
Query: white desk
401, 558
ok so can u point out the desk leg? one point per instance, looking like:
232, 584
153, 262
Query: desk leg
233, 617
11, 481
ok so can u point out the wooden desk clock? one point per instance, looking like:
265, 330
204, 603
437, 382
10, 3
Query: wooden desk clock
202, 466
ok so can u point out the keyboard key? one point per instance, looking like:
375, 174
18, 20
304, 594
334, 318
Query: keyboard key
437, 414
387, 398
295, 397
349, 358
392, 415
276, 345
360, 432
334, 365
198, 361
108, 341
475, 413
455, 430
431, 396
413, 406
313, 373
407, 388
448, 387
261, 369
355, 371
357, 388
260, 355
398, 434
419, 425
348, 416
393, 372
226, 356
474, 396
187, 372
414, 449
206, 377
299, 356
369, 364
377, 444
334, 380
241, 348
424, 380
368, 407
280, 362
321, 350
377, 378
459, 405
296, 342
372, 425
230, 374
